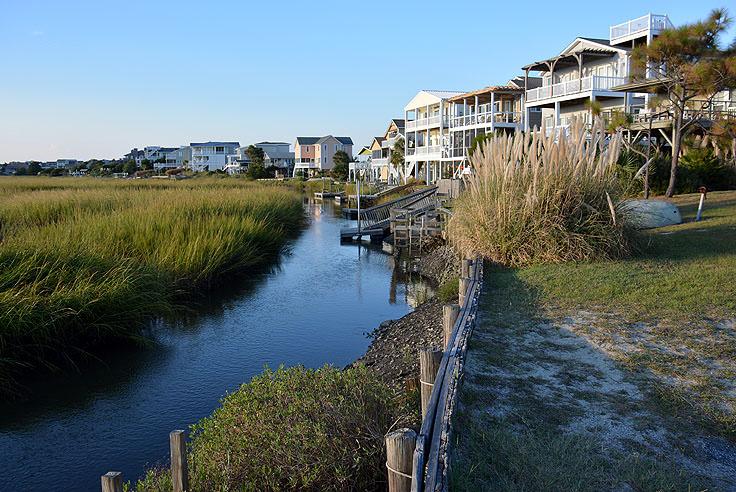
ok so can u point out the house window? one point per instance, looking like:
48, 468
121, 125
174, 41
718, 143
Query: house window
219, 150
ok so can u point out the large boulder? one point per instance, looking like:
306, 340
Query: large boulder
649, 214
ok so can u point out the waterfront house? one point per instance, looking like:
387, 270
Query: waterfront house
275, 154
66, 163
427, 117
176, 158
381, 150
493, 109
314, 154
211, 156
586, 70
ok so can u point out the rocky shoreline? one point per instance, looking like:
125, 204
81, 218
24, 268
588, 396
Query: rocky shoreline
393, 353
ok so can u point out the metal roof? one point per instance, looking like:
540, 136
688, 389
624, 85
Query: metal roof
211, 144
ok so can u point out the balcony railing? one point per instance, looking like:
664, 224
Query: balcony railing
431, 121
591, 82
655, 23
485, 119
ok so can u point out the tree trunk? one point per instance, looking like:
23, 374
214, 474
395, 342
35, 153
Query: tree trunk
676, 144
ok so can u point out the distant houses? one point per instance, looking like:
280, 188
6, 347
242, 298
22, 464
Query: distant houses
313, 155
211, 156
275, 155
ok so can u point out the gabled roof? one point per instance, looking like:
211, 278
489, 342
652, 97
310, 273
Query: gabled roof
320, 140
590, 47
425, 97
365, 151
345, 140
272, 143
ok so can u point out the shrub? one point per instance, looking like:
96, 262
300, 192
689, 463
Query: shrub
293, 429
448, 291
537, 198
700, 167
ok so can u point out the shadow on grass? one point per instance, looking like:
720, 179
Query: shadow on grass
509, 437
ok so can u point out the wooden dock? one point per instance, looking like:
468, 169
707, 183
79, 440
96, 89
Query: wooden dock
328, 194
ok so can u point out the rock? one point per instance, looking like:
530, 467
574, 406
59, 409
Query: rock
649, 214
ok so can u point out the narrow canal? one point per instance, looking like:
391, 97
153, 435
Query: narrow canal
313, 308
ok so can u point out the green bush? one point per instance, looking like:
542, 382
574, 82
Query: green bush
294, 429
448, 291
701, 167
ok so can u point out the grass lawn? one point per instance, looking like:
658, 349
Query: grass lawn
614, 375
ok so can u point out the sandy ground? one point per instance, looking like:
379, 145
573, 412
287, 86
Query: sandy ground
592, 374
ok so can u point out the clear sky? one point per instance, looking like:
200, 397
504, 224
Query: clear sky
94, 79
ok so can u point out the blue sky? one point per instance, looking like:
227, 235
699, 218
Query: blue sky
94, 79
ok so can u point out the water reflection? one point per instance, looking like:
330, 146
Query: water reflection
311, 307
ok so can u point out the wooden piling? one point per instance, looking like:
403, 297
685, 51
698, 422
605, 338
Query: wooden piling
112, 482
429, 364
449, 316
463, 285
179, 472
400, 446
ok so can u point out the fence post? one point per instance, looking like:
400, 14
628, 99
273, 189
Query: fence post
449, 316
179, 472
429, 364
462, 290
465, 265
112, 482
400, 446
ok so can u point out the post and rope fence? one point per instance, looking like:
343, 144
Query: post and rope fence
439, 375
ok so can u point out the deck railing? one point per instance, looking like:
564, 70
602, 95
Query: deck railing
653, 22
569, 87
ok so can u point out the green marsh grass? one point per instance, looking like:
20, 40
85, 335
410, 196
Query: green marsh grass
85, 261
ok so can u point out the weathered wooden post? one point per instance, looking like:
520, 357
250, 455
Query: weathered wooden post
112, 482
449, 316
463, 285
465, 266
179, 472
400, 446
429, 364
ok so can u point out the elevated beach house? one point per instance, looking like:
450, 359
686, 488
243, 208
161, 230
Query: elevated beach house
211, 156
581, 76
314, 154
381, 149
427, 119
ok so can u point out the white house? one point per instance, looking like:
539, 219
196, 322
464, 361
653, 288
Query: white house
211, 156
427, 117
586, 70
276, 154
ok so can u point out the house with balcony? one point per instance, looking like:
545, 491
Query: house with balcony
585, 72
314, 154
381, 150
176, 158
211, 156
493, 109
275, 154
426, 121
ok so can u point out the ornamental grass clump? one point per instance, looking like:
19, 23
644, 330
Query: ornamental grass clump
536, 197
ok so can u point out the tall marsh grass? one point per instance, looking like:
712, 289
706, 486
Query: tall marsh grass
538, 198
83, 261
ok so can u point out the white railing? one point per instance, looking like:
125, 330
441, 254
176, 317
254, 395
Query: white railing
429, 149
651, 22
486, 118
591, 82
379, 162
431, 121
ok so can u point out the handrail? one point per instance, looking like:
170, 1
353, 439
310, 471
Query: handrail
380, 214
430, 454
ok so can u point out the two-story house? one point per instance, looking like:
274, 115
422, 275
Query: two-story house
211, 156
381, 149
314, 154
579, 79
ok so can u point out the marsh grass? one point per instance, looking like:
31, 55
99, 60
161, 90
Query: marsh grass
538, 198
85, 261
